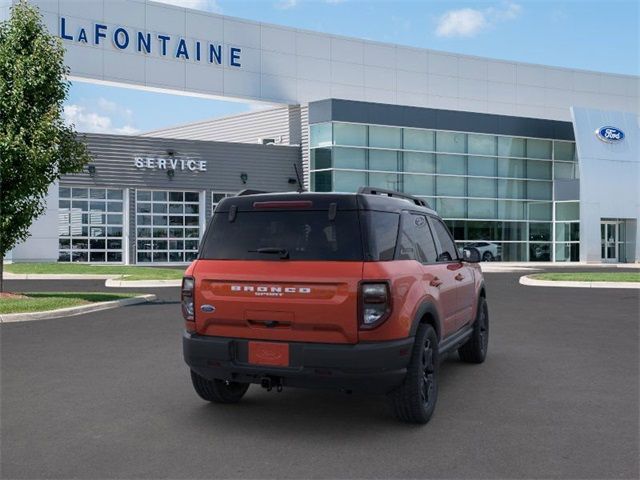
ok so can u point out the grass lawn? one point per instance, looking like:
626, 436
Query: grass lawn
41, 302
590, 276
130, 272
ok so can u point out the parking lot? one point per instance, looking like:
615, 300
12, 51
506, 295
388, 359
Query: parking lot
107, 395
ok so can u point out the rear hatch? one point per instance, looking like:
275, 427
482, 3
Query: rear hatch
280, 270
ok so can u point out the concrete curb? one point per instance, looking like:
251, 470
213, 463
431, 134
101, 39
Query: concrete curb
117, 283
533, 282
72, 311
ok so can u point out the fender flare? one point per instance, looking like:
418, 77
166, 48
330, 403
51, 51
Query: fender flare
430, 308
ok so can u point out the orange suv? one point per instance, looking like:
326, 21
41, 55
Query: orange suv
361, 292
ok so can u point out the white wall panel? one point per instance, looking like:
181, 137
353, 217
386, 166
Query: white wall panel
343, 50
443, 64
586, 82
501, 92
125, 12
86, 10
313, 45
278, 39
472, 89
530, 75
347, 73
378, 77
165, 19
558, 78
379, 55
275, 63
244, 34
411, 81
443, 86
317, 69
473, 68
204, 27
411, 59
501, 71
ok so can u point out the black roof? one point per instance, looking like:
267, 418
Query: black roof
323, 201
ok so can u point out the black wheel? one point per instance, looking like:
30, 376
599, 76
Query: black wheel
487, 257
218, 391
415, 400
475, 350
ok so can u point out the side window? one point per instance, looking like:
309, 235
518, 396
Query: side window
448, 250
416, 242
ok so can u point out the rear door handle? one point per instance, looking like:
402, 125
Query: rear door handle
436, 282
459, 277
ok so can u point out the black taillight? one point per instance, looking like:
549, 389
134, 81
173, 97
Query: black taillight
187, 298
375, 304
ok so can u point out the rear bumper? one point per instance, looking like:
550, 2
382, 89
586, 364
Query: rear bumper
366, 367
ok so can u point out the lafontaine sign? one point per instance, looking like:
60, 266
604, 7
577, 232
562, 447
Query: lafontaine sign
155, 44
171, 163
609, 134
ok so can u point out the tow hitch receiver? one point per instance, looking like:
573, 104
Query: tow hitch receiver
270, 382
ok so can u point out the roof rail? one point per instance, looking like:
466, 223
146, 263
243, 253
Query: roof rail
249, 191
391, 193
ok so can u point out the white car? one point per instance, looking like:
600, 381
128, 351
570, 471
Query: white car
489, 252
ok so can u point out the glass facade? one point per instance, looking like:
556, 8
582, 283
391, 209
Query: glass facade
90, 225
492, 190
167, 226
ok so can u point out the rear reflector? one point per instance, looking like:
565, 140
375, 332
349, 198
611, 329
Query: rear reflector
284, 204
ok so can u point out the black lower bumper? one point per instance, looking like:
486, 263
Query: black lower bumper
365, 367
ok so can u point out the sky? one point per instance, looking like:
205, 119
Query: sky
600, 35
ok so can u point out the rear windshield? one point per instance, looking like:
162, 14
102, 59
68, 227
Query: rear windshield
276, 235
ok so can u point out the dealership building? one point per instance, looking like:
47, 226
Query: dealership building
526, 162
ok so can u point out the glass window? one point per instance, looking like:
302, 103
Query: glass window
539, 252
539, 190
389, 181
568, 232
419, 184
382, 233
451, 142
565, 170
509, 210
64, 192
482, 166
320, 135
567, 252
452, 208
567, 211
538, 148
482, 144
539, 170
511, 189
451, 186
419, 139
350, 158
482, 187
321, 181
448, 251
320, 158
350, 134
483, 209
453, 164
419, 162
540, 232
564, 150
416, 241
348, 181
383, 160
511, 167
511, 147
540, 211
385, 137
98, 193
114, 194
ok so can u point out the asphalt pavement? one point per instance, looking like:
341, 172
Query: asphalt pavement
107, 395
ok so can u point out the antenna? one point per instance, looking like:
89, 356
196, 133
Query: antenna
299, 177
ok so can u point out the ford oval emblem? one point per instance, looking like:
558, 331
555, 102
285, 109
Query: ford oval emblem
208, 308
610, 134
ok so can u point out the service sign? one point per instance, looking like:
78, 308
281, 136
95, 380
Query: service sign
609, 134
171, 163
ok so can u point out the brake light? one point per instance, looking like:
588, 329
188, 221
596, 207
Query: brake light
284, 204
187, 298
375, 304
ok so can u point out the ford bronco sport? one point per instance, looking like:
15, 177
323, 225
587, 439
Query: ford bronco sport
361, 292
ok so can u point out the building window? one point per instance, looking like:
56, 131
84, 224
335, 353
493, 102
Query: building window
167, 226
217, 197
90, 225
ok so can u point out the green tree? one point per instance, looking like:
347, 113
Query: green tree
36, 146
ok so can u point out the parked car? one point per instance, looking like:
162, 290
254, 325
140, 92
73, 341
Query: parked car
489, 252
357, 292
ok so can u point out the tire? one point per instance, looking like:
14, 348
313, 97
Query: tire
218, 391
475, 350
415, 400
487, 257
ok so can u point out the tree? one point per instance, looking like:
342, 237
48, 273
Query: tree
36, 146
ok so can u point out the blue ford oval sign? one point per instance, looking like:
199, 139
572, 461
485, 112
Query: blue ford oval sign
610, 134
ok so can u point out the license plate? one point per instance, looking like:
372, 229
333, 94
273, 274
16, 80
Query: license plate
268, 353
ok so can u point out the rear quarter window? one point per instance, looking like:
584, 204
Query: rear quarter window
381, 233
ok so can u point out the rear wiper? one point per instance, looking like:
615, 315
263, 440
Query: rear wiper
283, 252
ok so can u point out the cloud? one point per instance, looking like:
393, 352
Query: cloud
287, 4
468, 22
207, 5
89, 121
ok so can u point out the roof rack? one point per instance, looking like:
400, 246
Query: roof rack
249, 191
391, 193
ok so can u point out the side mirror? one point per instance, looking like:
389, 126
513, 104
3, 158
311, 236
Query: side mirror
470, 254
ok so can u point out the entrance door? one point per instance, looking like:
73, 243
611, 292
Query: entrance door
609, 241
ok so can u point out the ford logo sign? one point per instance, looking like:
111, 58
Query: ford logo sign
208, 308
610, 134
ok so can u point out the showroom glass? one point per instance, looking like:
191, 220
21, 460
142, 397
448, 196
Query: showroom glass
90, 225
167, 226
466, 177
